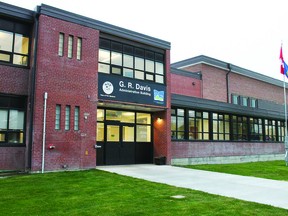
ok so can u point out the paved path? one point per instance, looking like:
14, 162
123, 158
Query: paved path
258, 190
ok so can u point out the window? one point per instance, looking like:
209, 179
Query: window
57, 117
281, 131
235, 99
79, 48
239, 128
177, 124
143, 127
256, 130
130, 61
244, 101
76, 118
221, 127
14, 48
253, 103
61, 44
70, 46
11, 126
67, 118
100, 125
198, 125
270, 130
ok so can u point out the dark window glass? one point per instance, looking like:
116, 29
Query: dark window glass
139, 52
178, 125
116, 46
256, 129
239, 128
105, 44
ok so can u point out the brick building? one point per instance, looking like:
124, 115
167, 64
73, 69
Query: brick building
76, 93
222, 113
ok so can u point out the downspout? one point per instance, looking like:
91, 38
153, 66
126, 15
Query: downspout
227, 82
32, 88
44, 131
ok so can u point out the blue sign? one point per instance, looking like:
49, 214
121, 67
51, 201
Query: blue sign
117, 88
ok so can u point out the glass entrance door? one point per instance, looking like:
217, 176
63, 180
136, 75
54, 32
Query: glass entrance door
120, 143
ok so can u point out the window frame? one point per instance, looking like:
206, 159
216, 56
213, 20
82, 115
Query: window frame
76, 118
67, 117
12, 54
8, 131
79, 48
61, 44
143, 55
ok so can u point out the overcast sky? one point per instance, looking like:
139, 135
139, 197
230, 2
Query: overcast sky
246, 33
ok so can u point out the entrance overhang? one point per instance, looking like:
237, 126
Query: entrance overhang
124, 106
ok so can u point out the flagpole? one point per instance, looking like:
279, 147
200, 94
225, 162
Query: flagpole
285, 110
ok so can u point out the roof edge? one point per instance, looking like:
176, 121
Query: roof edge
202, 59
16, 12
102, 26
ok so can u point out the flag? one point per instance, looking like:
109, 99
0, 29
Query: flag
284, 66
281, 61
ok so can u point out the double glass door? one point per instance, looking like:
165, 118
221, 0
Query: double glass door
120, 143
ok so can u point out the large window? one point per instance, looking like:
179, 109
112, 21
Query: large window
221, 126
14, 48
11, 126
14, 43
130, 61
143, 127
270, 130
256, 129
187, 124
177, 124
240, 128
135, 125
198, 125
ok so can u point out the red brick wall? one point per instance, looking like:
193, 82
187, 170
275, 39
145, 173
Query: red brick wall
222, 149
67, 82
250, 87
214, 85
14, 80
12, 158
187, 86
162, 130
213, 81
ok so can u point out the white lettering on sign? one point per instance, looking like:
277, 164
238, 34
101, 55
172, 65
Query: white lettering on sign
143, 88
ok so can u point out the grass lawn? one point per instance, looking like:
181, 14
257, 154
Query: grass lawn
276, 170
95, 192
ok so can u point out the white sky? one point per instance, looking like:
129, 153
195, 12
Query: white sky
246, 33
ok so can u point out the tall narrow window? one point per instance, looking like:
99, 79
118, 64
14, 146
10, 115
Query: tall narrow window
57, 117
61, 44
67, 118
70, 46
76, 118
79, 48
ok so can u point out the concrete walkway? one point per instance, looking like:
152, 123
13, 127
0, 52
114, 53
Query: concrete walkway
258, 190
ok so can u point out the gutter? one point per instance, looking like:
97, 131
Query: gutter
227, 82
32, 88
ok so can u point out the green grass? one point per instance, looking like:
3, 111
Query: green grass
97, 192
276, 170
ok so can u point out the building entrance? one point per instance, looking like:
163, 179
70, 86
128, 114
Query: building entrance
123, 137
120, 144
